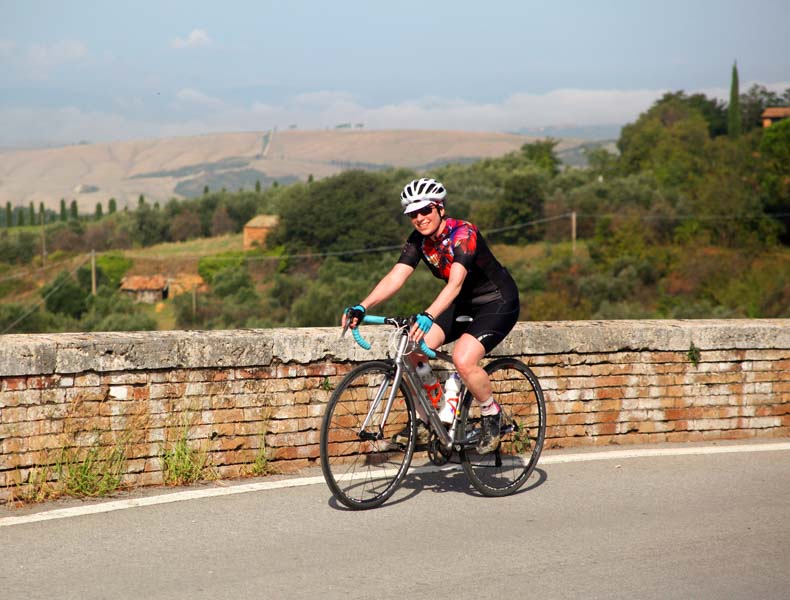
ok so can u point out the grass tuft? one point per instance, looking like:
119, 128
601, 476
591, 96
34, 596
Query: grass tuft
183, 464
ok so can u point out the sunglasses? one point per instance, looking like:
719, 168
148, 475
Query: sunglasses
424, 211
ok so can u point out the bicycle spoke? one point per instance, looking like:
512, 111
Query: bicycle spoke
361, 469
522, 430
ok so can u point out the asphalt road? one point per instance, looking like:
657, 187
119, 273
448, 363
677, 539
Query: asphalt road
698, 526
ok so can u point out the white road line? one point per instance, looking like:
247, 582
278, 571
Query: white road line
77, 511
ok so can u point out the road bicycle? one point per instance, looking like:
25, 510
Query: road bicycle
369, 430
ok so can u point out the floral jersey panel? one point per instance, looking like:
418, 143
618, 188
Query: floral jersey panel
461, 242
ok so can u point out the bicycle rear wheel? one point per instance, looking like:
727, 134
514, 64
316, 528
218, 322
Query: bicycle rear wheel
523, 429
363, 468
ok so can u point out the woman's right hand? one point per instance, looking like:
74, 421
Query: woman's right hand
352, 316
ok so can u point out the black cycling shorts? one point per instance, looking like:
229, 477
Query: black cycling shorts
491, 322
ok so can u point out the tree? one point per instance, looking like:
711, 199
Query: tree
42, 214
64, 215
775, 167
755, 101
31, 214
221, 223
74, 211
111, 311
64, 296
521, 202
9, 215
712, 110
734, 109
141, 201
185, 225
350, 211
669, 140
112, 206
149, 226
99, 211
542, 154
257, 186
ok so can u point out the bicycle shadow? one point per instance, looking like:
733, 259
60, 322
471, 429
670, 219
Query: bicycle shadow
442, 481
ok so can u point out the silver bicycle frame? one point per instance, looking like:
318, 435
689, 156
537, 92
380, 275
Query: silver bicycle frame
404, 371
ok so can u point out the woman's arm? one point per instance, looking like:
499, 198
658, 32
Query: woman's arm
386, 288
389, 284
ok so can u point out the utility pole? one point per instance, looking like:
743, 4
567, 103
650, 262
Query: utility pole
93, 272
43, 241
573, 232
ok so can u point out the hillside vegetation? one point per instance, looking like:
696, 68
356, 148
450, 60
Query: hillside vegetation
684, 221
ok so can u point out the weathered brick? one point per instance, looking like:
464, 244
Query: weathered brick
125, 378
592, 399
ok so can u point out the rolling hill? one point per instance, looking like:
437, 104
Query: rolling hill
163, 168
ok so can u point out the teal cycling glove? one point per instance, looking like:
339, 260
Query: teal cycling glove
424, 322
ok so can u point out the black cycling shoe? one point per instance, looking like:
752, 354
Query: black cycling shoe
489, 435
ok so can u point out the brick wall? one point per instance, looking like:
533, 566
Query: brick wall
239, 395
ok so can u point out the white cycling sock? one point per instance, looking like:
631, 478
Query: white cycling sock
489, 407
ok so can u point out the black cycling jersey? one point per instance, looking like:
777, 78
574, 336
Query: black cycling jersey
487, 280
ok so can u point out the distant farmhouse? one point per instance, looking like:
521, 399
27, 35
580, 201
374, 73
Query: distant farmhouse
256, 230
774, 114
146, 289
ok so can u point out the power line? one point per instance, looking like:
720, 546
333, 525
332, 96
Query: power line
484, 232
42, 301
25, 272
391, 248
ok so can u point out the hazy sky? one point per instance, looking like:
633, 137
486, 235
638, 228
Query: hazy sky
102, 70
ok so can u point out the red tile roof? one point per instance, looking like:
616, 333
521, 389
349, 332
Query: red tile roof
774, 112
139, 283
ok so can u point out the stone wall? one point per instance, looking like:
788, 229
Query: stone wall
240, 396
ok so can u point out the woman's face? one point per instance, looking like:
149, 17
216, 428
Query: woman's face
426, 220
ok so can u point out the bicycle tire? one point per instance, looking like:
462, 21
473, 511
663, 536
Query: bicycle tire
523, 430
364, 473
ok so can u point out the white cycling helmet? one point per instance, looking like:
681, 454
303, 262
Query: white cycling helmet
421, 192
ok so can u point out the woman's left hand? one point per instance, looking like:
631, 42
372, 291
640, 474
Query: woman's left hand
422, 325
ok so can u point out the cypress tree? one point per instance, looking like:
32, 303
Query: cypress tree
9, 215
32, 214
99, 211
112, 206
734, 109
42, 215
75, 214
64, 215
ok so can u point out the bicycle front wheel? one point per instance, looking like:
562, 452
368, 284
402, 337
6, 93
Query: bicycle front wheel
522, 430
364, 463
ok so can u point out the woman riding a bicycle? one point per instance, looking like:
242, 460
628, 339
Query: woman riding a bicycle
477, 286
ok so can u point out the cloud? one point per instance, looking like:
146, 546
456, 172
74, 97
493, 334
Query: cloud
559, 107
6, 48
196, 39
28, 127
189, 96
40, 59
195, 112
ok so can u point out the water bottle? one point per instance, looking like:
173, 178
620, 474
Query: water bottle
429, 382
452, 390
